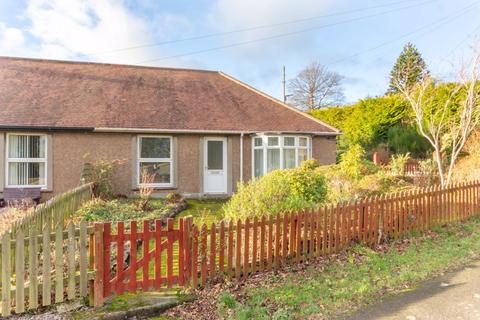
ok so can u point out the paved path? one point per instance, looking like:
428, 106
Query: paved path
454, 296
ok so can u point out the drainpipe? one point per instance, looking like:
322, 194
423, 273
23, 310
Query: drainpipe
241, 157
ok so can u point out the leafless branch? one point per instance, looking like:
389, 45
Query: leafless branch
315, 87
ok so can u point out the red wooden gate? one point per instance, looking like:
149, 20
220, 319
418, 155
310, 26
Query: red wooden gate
150, 258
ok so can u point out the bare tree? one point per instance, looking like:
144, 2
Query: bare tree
446, 122
315, 87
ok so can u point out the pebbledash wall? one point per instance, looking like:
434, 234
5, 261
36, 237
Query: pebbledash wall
67, 152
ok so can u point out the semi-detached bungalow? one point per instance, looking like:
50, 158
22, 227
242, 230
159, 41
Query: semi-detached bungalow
195, 132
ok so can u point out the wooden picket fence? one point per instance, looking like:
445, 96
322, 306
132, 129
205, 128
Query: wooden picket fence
43, 257
412, 168
70, 261
54, 211
39, 269
190, 255
162, 242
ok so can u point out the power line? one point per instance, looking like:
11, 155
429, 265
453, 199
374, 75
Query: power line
474, 32
442, 21
259, 27
281, 35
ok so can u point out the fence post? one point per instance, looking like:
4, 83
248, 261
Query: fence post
187, 247
99, 267
6, 274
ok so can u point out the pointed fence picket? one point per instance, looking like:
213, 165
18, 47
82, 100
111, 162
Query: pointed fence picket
41, 269
41, 266
238, 249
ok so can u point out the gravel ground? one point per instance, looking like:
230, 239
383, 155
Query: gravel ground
43, 316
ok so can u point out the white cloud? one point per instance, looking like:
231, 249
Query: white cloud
87, 29
12, 41
67, 28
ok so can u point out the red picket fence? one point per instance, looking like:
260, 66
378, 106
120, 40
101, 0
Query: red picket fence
133, 260
190, 255
412, 168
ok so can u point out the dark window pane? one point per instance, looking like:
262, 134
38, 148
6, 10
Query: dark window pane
36, 173
272, 141
215, 155
155, 173
155, 147
289, 141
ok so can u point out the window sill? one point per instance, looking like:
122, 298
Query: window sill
42, 190
158, 188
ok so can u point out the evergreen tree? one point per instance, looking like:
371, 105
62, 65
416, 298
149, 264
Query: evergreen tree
409, 69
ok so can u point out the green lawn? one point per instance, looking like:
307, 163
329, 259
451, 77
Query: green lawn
204, 211
356, 278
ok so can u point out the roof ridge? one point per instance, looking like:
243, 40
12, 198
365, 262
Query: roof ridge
282, 104
104, 64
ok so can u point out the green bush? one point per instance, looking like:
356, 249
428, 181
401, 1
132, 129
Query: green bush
367, 121
397, 163
342, 188
114, 210
405, 138
279, 191
355, 177
353, 163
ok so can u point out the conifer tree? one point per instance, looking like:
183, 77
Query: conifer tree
409, 69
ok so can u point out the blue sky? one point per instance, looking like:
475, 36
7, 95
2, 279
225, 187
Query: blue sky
358, 39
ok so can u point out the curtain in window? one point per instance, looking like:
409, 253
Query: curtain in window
302, 155
273, 159
25, 164
289, 158
258, 162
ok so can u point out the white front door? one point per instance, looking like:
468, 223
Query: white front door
215, 160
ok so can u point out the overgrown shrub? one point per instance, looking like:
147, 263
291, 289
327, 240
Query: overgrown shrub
468, 166
174, 197
100, 175
145, 191
114, 210
429, 175
355, 177
397, 164
353, 163
279, 191
342, 188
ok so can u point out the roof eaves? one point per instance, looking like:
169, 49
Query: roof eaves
205, 131
44, 128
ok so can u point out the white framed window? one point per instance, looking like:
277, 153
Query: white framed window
154, 161
26, 160
272, 152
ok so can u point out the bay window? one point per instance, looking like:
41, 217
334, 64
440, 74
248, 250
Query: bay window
26, 160
155, 166
279, 152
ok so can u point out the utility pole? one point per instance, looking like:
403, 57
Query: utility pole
284, 84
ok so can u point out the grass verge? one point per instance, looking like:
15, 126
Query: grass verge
340, 284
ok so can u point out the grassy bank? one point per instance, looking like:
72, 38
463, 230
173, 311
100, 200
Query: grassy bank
342, 283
